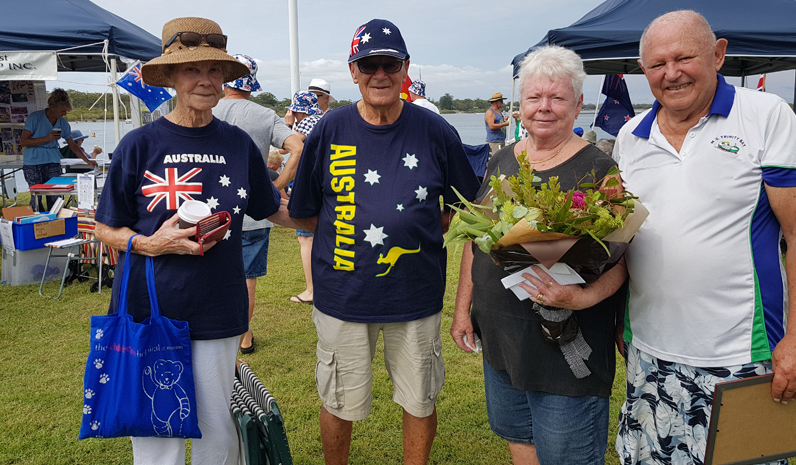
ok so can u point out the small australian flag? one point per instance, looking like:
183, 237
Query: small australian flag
133, 83
617, 109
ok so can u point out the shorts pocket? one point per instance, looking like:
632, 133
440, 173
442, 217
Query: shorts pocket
437, 369
327, 379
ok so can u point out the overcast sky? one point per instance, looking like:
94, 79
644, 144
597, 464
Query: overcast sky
462, 47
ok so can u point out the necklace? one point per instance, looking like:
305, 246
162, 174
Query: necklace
548, 159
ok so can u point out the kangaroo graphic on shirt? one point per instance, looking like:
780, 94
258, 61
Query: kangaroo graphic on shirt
392, 256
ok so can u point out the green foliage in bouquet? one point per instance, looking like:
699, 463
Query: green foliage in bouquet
585, 211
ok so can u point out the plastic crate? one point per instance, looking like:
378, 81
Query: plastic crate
26, 267
25, 239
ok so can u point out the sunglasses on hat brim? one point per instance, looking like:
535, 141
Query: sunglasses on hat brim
194, 39
371, 67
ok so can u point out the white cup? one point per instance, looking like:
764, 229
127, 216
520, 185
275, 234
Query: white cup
190, 212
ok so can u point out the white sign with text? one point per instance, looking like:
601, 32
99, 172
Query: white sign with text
28, 65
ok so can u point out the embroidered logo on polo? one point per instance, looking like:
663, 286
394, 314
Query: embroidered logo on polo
731, 144
342, 167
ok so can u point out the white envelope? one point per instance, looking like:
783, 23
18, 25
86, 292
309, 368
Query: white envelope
561, 272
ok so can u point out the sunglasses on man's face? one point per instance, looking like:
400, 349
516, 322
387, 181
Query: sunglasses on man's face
194, 39
371, 67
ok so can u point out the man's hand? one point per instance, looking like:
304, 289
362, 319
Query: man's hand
783, 361
462, 326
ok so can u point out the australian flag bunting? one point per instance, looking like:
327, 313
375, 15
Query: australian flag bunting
617, 109
133, 83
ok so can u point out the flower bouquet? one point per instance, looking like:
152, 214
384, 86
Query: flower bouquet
519, 224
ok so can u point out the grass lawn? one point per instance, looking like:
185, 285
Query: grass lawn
44, 344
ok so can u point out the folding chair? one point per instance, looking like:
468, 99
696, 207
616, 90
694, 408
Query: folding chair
259, 421
78, 253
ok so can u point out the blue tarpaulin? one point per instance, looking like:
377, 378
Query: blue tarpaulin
761, 34
31, 25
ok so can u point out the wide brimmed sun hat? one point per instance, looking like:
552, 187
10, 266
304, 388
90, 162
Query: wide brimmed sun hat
249, 82
305, 101
590, 136
321, 86
418, 87
78, 135
175, 52
496, 96
377, 37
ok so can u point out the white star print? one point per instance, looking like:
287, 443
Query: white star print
228, 234
400, 207
236, 210
212, 202
386, 31
372, 177
365, 38
422, 193
242, 193
224, 180
374, 235
410, 161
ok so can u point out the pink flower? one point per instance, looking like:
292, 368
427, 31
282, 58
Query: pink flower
578, 200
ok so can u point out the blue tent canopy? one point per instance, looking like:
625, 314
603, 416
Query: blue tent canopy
761, 34
31, 25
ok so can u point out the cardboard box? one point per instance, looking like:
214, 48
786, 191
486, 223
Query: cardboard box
35, 235
26, 267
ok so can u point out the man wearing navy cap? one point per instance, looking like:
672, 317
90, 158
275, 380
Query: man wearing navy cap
373, 173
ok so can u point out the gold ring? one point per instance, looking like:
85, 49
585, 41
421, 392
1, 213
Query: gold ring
540, 298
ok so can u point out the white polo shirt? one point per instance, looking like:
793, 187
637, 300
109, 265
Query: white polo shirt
706, 279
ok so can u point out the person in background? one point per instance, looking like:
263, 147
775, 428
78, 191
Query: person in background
520, 132
323, 92
274, 164
265, 128
378, 262
79, 138
418, 93
42, 159
549, 409
606, 145
307, 113
209, 292
590, 137
495, 122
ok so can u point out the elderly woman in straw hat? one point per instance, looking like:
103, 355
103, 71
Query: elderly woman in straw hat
546, 398
190, 155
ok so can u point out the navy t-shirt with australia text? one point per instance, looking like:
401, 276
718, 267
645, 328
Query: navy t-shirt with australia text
154, 170
377, 255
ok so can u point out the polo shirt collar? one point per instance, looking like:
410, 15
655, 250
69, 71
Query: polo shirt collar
721, 105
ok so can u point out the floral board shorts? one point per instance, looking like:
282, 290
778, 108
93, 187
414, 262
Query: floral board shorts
666, 415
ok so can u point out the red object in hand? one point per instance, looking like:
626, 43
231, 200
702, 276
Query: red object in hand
212, 228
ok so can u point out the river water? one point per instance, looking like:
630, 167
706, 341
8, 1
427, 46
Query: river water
470, 127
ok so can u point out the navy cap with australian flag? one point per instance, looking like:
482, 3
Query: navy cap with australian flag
377, 37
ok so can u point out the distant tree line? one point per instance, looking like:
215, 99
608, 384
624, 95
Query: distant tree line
81, 101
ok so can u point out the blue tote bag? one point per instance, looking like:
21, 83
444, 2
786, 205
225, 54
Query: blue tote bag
139, 376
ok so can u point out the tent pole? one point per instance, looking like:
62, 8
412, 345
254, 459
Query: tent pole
114, 78
597, 107
295, 77
743, 80
511, 111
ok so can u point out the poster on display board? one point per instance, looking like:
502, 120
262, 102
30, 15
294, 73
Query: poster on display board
18, 99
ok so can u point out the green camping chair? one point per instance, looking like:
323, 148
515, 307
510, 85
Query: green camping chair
259, 420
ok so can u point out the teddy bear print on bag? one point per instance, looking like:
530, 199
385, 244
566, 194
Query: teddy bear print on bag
170, 404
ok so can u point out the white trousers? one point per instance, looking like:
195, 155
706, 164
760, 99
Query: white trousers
214, 375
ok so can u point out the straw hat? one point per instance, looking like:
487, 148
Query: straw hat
496, 96
155, 71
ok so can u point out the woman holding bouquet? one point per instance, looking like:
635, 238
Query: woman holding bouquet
548, 406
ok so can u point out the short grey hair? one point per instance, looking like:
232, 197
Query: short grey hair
701, 28
555, 63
